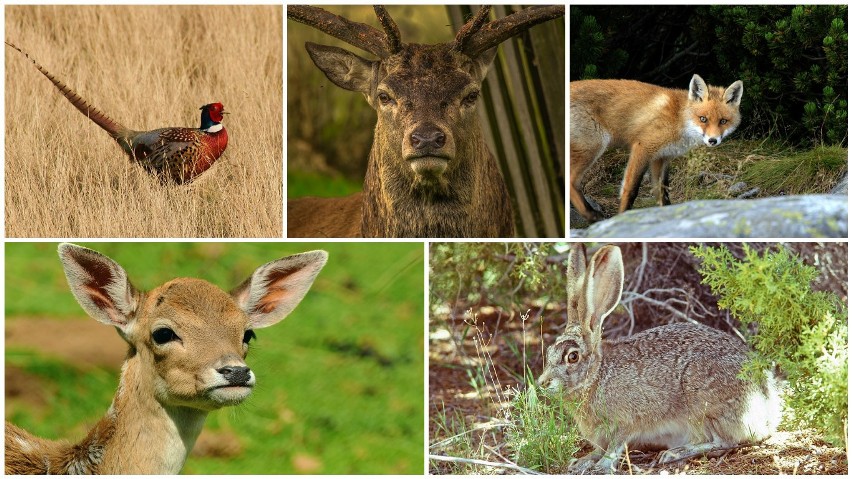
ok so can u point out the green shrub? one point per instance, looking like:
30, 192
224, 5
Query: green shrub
542, 432
793, 60
804, 332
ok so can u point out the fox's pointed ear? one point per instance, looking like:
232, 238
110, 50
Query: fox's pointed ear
734, 93
697, 89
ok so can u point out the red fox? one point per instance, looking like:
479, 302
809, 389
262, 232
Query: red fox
656, 123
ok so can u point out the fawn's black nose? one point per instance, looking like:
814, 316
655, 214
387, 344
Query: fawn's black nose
235, 374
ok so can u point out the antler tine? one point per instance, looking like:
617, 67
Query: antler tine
498, 31
394, 39
472, 26
356, 34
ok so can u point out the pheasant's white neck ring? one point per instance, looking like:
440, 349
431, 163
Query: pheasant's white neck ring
214, 128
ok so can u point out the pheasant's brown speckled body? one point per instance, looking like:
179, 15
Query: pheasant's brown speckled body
176, 155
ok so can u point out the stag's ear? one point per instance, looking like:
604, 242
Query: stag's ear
345, 69
478, 67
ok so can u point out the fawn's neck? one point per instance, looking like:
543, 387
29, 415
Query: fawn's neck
139, 435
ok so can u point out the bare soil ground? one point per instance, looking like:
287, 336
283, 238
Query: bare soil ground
451, 360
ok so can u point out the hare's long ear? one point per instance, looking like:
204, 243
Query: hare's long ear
604, 282
576, 274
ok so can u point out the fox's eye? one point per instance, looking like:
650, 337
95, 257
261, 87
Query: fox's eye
722, 121
703, 119
572, 357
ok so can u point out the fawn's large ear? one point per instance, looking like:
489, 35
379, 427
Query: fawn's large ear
100, 285
275, 289
344, 68
604, 283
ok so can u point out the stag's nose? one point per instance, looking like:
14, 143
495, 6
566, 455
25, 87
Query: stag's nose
428, 137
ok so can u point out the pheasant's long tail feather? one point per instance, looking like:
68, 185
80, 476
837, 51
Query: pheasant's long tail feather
117, 130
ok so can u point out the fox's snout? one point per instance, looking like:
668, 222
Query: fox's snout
712, 140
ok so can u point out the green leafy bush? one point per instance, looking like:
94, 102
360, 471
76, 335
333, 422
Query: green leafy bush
804, 332
793, 60
542, 432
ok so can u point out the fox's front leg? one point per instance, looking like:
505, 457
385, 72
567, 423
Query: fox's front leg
581, 160
660, 180
637, 165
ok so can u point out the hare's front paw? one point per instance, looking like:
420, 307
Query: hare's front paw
593, 464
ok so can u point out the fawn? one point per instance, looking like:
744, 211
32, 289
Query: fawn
187, 344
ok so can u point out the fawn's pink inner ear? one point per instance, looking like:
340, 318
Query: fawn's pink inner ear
271, 300
104, 303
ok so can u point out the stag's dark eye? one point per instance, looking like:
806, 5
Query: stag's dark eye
248, 336
471, 97
572, 357
164, 335
385, 98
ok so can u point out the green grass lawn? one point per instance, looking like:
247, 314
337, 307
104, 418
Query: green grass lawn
307, 184
340, 381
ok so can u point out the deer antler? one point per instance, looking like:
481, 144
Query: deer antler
394, 39
356, 34
472, 26
475, 36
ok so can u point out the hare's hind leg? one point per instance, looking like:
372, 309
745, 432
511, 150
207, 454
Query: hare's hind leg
689, 451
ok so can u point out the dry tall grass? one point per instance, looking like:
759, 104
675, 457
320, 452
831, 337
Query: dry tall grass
146, 67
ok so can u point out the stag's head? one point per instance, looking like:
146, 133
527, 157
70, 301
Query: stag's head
425, 95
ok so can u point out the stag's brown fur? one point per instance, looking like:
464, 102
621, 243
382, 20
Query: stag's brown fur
453, 187
469, 198
312, 217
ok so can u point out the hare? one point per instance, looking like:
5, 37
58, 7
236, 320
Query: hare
674, 386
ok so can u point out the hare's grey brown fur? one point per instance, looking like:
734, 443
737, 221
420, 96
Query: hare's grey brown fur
675, 386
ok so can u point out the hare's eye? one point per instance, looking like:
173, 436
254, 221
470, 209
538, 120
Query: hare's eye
572, 357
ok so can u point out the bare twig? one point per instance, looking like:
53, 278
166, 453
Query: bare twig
479, 462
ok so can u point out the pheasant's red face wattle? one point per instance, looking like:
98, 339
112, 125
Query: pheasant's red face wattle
216, 111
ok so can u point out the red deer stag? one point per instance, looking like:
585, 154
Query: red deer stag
430, 173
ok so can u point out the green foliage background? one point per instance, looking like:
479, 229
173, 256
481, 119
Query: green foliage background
340, 380
793, 60
803, 331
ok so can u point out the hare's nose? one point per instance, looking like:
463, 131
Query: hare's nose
544, 379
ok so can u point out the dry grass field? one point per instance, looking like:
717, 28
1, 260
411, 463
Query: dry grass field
146, 67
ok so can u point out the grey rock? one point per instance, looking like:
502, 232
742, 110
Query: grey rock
802, 216
842, 188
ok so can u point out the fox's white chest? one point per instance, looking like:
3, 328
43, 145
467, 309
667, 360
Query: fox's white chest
691, 136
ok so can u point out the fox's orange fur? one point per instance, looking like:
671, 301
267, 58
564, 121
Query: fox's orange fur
656, 123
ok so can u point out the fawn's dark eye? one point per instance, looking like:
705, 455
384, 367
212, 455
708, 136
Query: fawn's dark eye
572, 357
248, 336
164, 335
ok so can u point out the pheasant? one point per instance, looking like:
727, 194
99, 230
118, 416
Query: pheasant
176, 155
